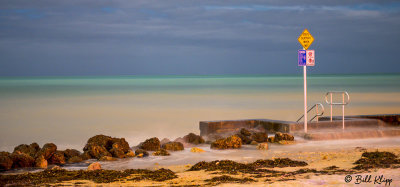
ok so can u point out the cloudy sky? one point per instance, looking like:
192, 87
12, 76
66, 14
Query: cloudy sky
187, 37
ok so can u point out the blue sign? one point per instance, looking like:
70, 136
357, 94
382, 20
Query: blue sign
302, 58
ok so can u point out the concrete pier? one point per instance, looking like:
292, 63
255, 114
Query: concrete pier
361, 126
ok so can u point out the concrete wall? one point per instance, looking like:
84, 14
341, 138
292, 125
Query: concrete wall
271, 126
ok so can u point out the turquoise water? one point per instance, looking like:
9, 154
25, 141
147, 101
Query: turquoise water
68, 110
185, 84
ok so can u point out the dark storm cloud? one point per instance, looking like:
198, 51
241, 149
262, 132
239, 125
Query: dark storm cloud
195, 37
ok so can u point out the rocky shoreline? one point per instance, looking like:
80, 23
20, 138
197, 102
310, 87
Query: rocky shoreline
106, 148
267, 171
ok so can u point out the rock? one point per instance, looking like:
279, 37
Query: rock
102, 145
6, 161
121, 144
57, 158
254, 143
21, 160
141, 153
75, 159
96, 151
34, 146
31, 149
245, 132
232, 142
161, 152
262, 146
245, 139
94, 166
173, 146
181, 140
259, 137
130, 154
271, 139
47, 151
69, 153
99, 140
283, 136
40, 162
193, 139
117, 151
98, 146
196, 150
107, 158
164, 141
152, 144
85, 156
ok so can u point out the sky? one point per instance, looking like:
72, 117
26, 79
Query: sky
188, 37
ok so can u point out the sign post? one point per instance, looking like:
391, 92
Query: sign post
305, 58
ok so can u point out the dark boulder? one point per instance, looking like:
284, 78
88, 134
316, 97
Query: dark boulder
245, 132
232, 142
96, 151
47, 151
69, 153
99, 140
141, 153
6, 161
21, 160
161, 152
102, 145
173, 146
193, 139
283, 136
271, 139
259, 137
31, 149
75, 159
85, 156
57, 158
117, 150
40, 162
121, 143
120, 148
245, 139
152, 144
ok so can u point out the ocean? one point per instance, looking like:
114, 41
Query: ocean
68, 111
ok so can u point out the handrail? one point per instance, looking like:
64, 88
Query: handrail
343, 103
333, 92
316, 115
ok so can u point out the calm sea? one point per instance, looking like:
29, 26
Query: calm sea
69, 110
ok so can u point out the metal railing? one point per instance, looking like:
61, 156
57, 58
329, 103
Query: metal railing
317, 114
343, 103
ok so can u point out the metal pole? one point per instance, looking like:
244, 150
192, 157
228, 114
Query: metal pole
331, 106
317, 111
305, 98
343, 110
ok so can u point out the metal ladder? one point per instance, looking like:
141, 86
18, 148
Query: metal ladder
317, 114
343, 103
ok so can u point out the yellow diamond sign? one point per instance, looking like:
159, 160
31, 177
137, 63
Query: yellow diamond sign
305, 39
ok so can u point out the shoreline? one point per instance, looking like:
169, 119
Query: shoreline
343, 159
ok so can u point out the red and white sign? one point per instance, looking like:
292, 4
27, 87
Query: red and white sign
310, 57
